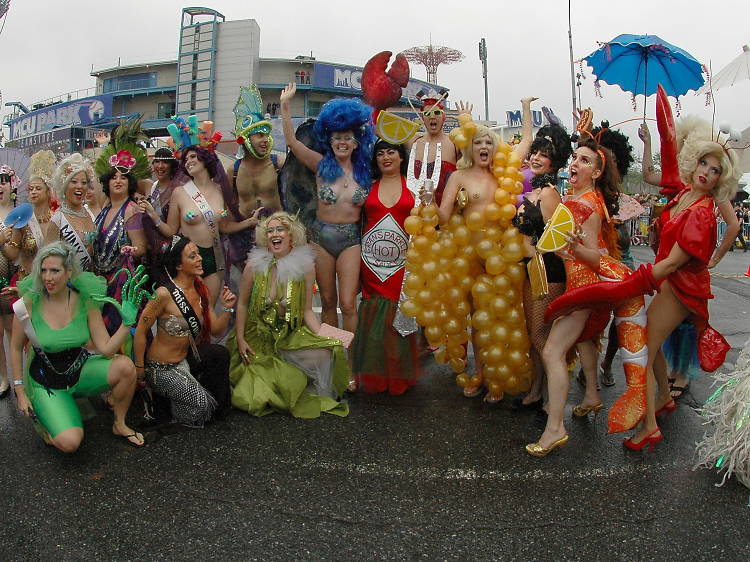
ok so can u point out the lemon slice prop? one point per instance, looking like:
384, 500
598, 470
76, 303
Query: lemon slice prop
394, 129
553, 237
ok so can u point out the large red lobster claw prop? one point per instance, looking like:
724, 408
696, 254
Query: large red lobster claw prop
604, 293
382, 89
670, 174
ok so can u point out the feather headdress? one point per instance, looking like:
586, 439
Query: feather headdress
123, 154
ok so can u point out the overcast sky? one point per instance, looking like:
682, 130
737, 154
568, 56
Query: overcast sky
48, 47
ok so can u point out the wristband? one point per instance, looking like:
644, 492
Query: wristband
226, 309
18, 382
157, 223
138, 366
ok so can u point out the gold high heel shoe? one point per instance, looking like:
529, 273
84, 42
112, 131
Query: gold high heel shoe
582, 411
538, 451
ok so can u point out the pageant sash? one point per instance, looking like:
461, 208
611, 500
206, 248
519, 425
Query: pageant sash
36, 231
69, 235
187, 311
208, 214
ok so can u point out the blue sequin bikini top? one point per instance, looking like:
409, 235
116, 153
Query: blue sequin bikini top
328, 195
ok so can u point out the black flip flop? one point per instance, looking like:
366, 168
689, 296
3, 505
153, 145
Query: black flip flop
135, 434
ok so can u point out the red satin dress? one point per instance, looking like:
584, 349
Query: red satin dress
694, 230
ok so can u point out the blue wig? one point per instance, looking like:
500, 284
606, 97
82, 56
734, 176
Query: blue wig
346, 115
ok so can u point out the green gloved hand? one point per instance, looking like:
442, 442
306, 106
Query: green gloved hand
132, 294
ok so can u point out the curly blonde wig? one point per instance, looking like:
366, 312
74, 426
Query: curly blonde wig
694, 141
467, 155
293, 225
68, 168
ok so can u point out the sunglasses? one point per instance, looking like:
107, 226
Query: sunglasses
431, 112
343, 138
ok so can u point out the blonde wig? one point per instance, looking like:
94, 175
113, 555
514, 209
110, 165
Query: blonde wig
68, 168
695, 140
467, 155
293, 225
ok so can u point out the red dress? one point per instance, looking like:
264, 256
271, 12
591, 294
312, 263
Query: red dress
384, 244
383, 360
694, 229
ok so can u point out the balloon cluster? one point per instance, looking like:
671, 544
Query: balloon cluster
467, 275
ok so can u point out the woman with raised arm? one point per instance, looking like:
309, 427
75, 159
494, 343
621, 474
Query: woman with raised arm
343, 181
58, 314
279, 362
679, 352
548, 153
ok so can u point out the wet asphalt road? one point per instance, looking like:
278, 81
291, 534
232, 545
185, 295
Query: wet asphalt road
429, 475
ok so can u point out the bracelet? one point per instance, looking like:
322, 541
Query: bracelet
138, 366
158, 222
226, 309
13, 244
18, 382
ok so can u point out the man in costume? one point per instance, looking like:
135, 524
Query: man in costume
254, 173
440, 151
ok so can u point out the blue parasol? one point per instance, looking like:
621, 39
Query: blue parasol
639, 63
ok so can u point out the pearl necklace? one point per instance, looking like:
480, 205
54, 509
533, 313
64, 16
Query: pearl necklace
83, 213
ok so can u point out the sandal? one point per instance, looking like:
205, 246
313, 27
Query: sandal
352, 386
680, 390
472, 391
491, 399
139, 442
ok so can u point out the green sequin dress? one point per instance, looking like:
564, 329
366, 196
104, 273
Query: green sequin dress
293, 370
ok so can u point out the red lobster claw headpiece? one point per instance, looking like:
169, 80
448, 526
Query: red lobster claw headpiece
382, 89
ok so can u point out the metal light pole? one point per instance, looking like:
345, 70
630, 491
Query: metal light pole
572, 68
483, 58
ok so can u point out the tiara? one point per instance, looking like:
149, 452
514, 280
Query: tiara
186, 133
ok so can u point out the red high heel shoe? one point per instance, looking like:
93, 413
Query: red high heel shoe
649, 441
668, 408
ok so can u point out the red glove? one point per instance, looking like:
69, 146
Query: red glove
607, 293
670, 172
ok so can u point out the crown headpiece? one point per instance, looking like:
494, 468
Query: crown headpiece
186, 133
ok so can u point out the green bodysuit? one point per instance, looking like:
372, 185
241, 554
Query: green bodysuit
56, 408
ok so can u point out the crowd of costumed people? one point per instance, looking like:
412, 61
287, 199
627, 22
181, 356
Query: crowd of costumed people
460, 247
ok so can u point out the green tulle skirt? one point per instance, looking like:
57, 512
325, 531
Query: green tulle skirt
299, 373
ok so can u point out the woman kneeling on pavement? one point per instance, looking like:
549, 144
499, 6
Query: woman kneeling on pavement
59, 312
279, 362
181, 365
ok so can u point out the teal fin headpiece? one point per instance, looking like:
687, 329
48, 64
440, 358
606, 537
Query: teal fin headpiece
249, 119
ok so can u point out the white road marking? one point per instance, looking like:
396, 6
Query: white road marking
428, 473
